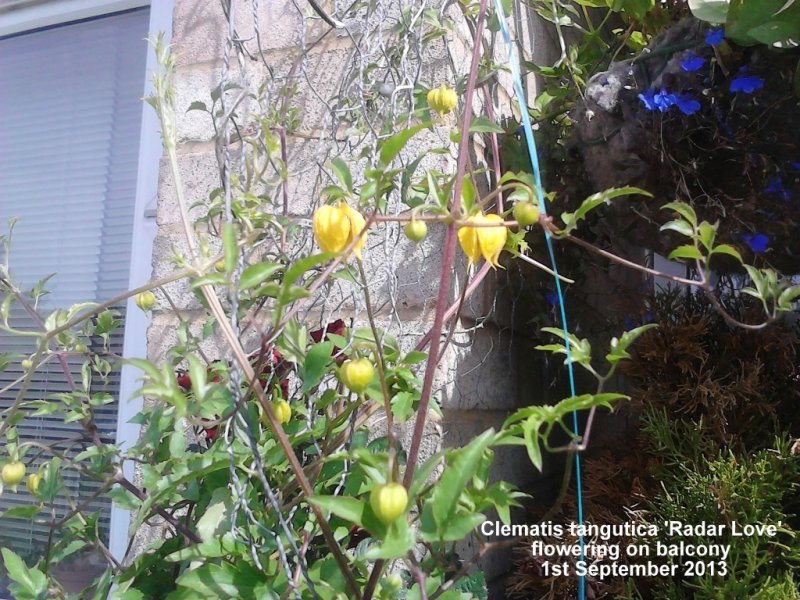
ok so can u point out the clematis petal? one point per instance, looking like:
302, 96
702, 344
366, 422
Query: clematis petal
331, 228
492, 240
357, 224
468, 238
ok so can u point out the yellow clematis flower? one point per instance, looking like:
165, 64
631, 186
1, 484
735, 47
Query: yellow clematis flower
443, 100
483, 241
357, 223
335, 227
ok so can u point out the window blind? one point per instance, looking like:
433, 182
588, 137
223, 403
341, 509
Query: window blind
70, 118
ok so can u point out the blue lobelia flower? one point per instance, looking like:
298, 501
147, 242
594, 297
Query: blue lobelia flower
657, 100
692, 63
648, 99
714, 37
552, 298
745, 83
686, 104
775, 186
795, 165
664, 100
757, 242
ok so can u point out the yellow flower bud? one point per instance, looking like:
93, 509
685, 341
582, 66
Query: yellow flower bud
33, 483
483, 241
145, 300
357, 374
282, 410
443, 100
13, 472
388, 501
335, 227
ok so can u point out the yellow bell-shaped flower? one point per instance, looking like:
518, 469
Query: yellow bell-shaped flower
335, 227
486, 241
357, 224
443, 100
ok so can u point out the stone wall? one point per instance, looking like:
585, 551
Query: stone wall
486, 370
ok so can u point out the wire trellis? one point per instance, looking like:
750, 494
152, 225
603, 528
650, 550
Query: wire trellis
381, 54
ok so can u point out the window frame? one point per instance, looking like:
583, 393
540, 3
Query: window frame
49, 14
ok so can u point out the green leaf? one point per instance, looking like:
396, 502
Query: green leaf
788, 296
197, 105
414, 357
686, 251
316, 364
571, 219
345, 507
712, 11
460, 526
22, 512
403, 405
681, 227
391, 147
727, 249
530, 431
459, 469
209, 279
397, 542
580, 349
29, 583
257, 274
619, 349
638, 9
50, 484
684, 210
298, 268
752, 22
229, 246
482, 124
223, 580
706, 234
215, 520
342, 172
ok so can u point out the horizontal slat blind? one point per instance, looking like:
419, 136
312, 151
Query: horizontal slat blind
70, 116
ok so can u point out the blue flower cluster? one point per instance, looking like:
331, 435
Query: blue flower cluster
662, 101
757, 242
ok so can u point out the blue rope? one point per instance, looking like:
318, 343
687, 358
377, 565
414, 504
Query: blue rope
537, 176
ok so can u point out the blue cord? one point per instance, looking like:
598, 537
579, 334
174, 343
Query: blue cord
532, 152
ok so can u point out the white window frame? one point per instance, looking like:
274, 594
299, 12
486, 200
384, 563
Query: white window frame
47, 14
